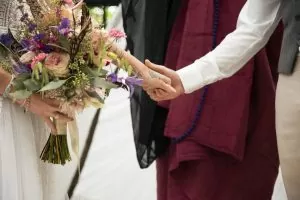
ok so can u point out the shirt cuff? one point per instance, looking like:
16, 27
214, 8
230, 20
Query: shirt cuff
189, 78
202, 72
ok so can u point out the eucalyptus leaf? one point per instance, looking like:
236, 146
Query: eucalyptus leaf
53, 85
21, 94
32, 85
102, 83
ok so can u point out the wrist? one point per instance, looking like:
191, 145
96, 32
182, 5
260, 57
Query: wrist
181, 90
4, 83
8, 87
24, 103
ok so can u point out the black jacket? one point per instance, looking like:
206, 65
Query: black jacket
147, 24
103, 2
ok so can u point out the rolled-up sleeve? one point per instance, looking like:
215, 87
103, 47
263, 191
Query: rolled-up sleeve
257, 21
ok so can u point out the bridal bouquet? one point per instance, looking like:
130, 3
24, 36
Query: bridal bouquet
59, 53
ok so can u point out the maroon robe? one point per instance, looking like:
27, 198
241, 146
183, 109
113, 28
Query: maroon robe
232, 154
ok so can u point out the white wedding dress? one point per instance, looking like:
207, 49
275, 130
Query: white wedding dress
22, 136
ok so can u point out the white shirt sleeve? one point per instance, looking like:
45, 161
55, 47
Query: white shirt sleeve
257, 21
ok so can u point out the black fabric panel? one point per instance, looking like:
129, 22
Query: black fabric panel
149, 40
102, 2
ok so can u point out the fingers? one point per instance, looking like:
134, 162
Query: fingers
154, 74
158, 71
153, 96
60, 116
53, 102
159, 95
159, 84
150, 84
157, 68
50, 124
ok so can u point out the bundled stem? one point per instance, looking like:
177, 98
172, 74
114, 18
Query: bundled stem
56, 150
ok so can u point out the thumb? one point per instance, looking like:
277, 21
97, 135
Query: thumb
158, 68
50, 124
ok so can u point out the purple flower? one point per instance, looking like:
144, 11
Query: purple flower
26, 43
132, 82
65, 23
39, 37
6, 40
22, 69
113, 77
46, 48
64, 26
31, 27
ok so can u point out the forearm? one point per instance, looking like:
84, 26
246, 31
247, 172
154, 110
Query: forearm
4, 80
257, 21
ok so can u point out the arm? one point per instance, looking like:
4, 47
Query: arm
4, 80
256, 23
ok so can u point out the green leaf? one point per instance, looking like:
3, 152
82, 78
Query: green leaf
59, 47
23, 76
21, 94
95, 95
95, 72
64, 42
4, 50
32, 85
19, 81
53, 85
102, 83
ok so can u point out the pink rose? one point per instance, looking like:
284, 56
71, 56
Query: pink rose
117, 34
57, 64
39, 58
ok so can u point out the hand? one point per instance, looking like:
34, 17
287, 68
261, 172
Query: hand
159, 93
46, 109
153, 80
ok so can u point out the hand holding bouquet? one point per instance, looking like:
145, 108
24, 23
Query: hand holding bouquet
59, 54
